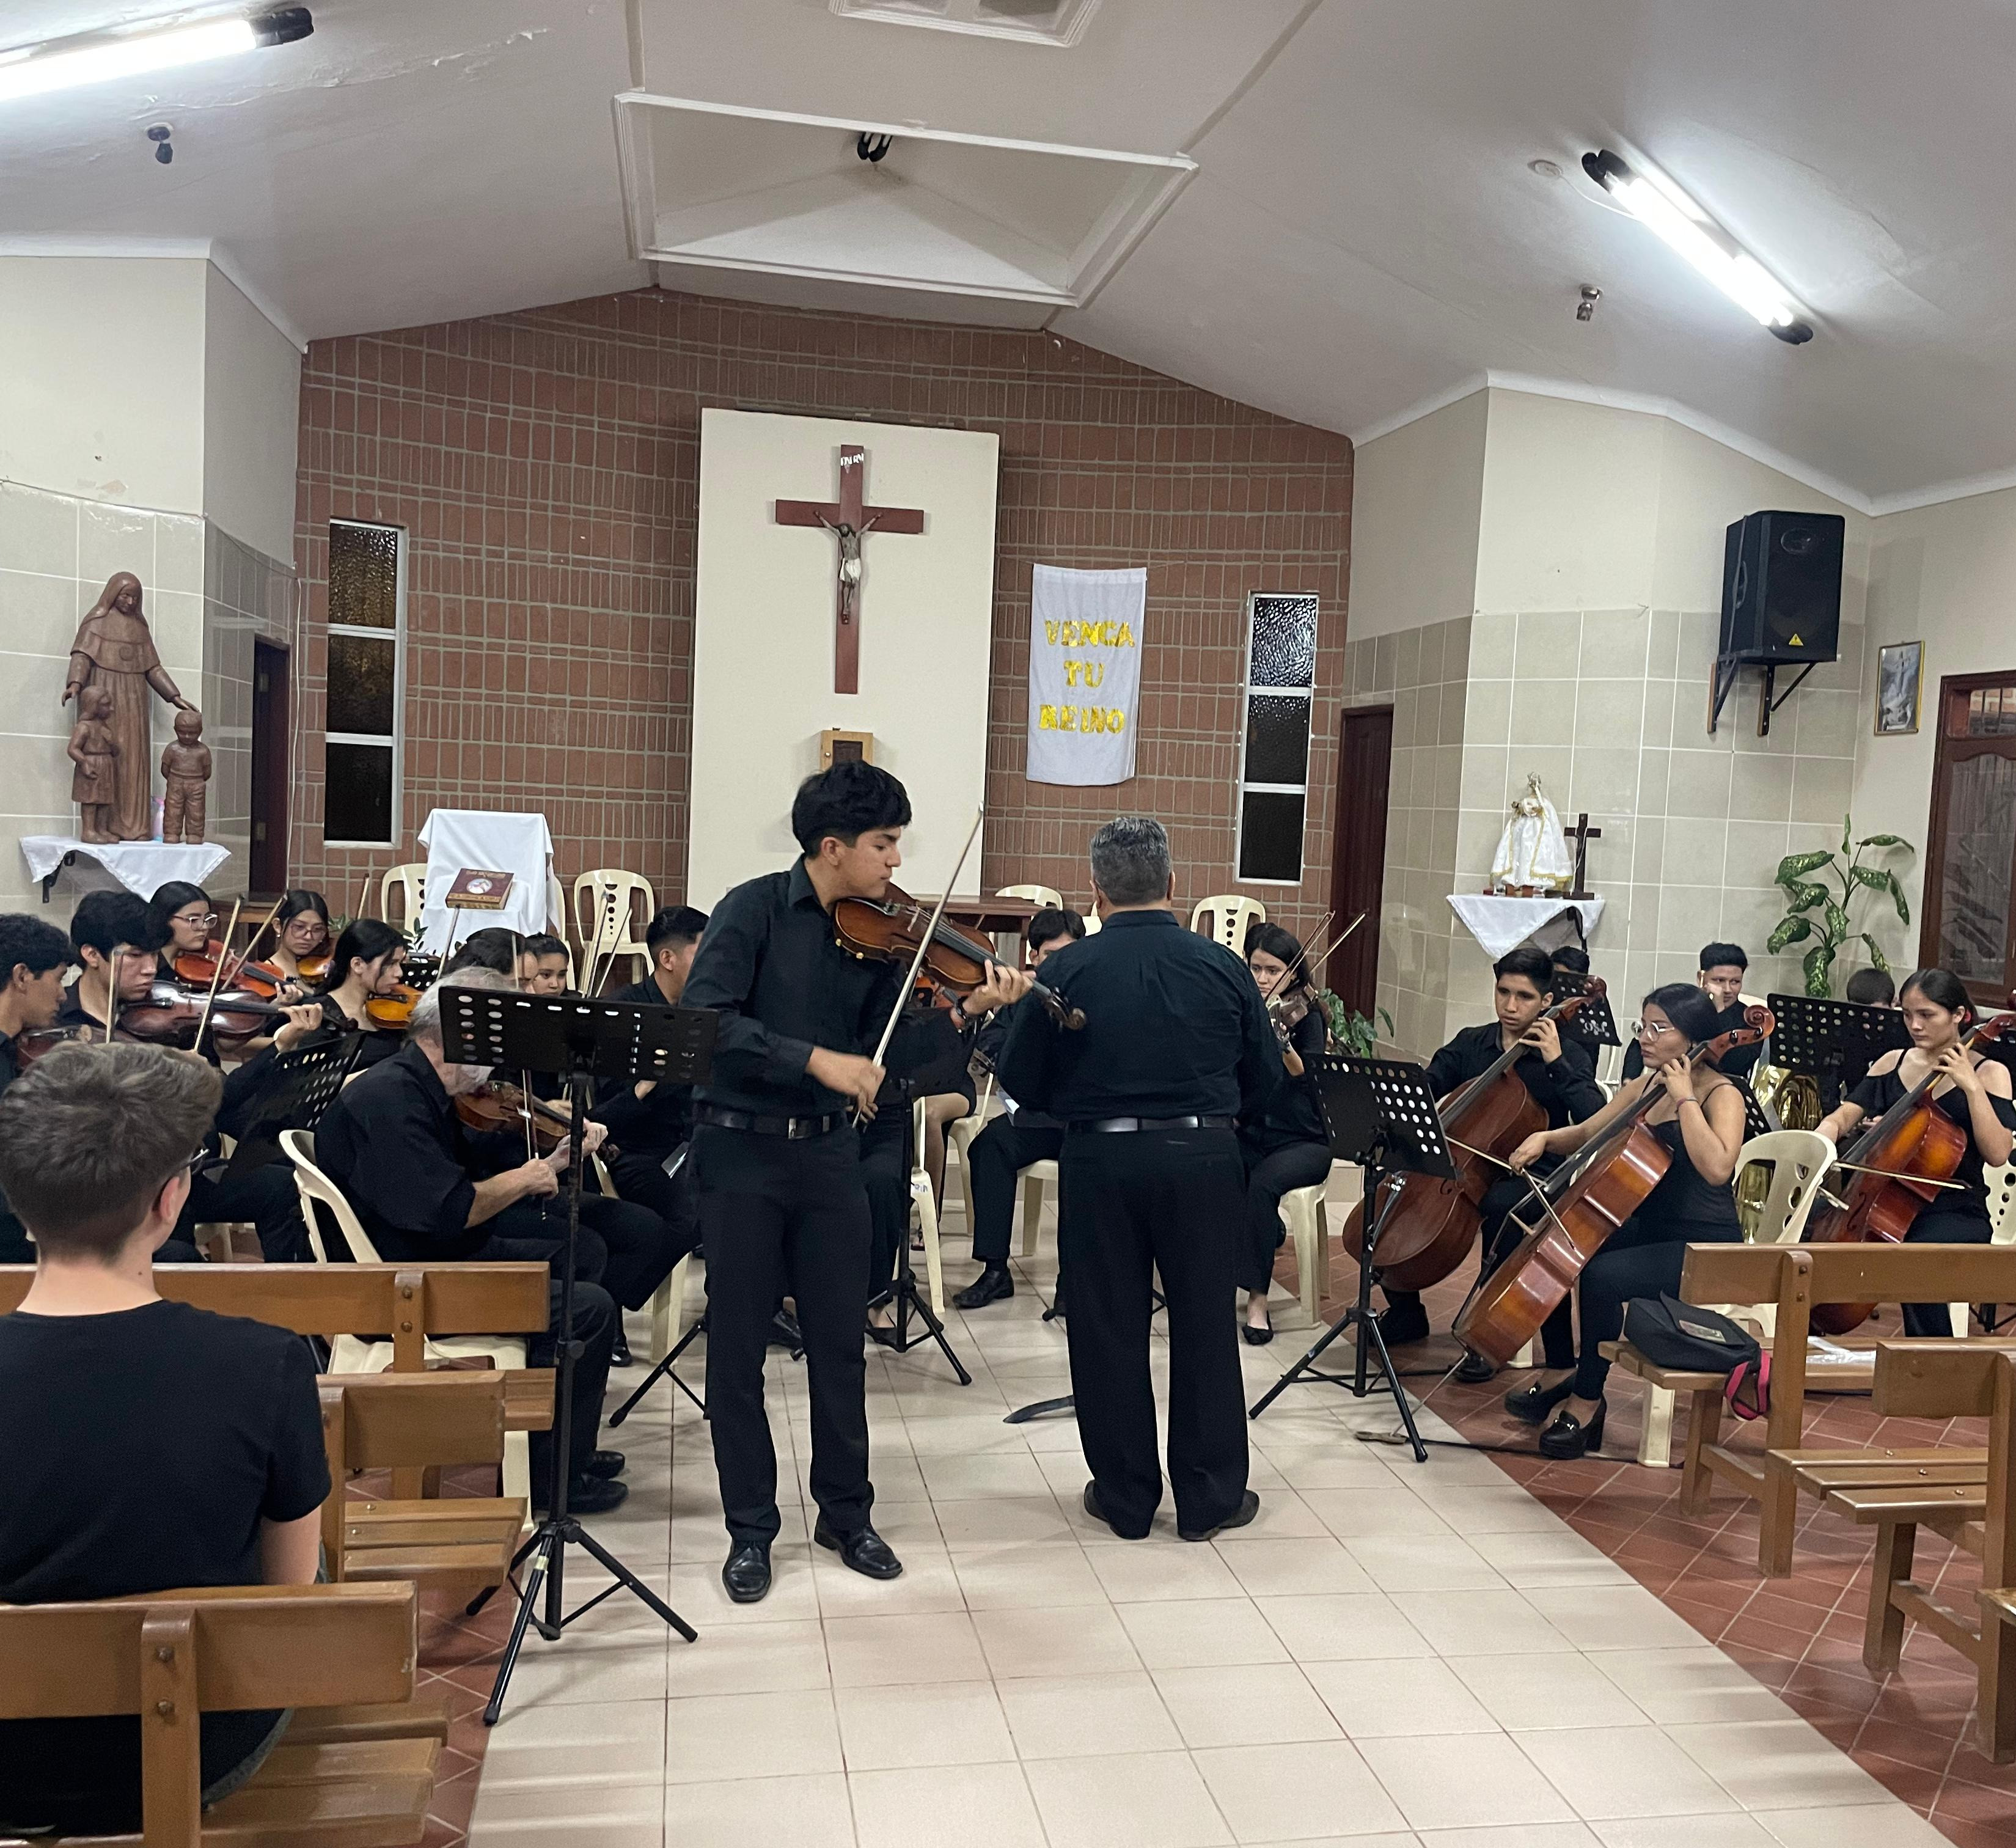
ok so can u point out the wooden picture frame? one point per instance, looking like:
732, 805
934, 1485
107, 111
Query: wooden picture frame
837, 746
1900, 677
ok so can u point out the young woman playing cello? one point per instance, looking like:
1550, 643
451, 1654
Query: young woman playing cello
1971, 1091
1699, 1122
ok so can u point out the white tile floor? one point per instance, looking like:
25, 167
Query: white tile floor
1393, 1655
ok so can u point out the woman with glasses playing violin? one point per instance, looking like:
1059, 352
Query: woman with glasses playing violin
1699, 1122
186, 913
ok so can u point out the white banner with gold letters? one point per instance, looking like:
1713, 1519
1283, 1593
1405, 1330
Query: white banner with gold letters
1084, 673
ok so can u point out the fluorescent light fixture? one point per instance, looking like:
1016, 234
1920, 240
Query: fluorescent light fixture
1660, 206
97, 57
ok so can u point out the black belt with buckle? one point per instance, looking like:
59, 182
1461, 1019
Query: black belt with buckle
794, 1129
1125, 1125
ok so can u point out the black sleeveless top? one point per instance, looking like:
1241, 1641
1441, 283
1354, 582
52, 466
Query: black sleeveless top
1877, 1091
1684, 1193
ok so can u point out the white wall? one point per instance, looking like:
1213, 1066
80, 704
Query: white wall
1414, 520
763, 644
251, 421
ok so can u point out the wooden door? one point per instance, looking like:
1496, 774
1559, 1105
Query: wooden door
1968, 911
269, 768
1358, 855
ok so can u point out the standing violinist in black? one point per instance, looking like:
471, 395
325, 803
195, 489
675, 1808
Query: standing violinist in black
1562, 1078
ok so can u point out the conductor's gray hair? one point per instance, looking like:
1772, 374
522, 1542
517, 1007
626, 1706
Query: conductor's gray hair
424, 1021
1130, 860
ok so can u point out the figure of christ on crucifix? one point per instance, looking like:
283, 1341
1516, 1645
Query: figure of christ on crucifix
849, 522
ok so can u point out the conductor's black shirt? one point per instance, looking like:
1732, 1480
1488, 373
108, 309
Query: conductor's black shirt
1566, 1089
1173, 1027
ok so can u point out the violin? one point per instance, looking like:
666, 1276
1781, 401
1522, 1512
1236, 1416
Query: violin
394, 1010
199, 968
495, 1105
312, 968
1589, 1196
1893, 1168
30, 1046
889, 929
1425, 1224
172, 1015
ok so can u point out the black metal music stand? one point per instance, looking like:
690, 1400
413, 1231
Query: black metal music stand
1592, 1024
903, 1290
305, 1082
1832, 1042
1381, 1116
581, 1041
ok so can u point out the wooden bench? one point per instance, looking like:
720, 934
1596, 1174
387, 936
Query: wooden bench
169, 1656
1936, 1379
1793, 1278
417, 1421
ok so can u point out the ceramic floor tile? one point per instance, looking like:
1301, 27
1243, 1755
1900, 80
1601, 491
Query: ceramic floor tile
598, 1742
570, 1816
1463, 1780
1291, 1792
754, 1659
1861, 1826
1292, 1567
1600, 1618
1423, 1562
1087, 1716
1249, 1705
936, 1723
1152, 1800
1372, 1699
1693, 1686
1080, 1640
1480, 1623
1731, 1831
711, 1737
808, 1812
974, 1806
1142, 1575
1360, 1626
892, 1650
1328, 1466
1356, 1513
1782, 1765
1623, 1770
697, 1593
1493, 1508
962, 1478
1039, 1576
582, 1668
927, 1583
1201, 1634
1535, 1560
1002, 1520
1534, 1693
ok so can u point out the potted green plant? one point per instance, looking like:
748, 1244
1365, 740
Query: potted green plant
1814, 914
1350, 1029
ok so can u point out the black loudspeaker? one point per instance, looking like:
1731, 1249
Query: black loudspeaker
1781, 587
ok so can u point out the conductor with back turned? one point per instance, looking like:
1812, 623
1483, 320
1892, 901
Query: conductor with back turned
1175, 1048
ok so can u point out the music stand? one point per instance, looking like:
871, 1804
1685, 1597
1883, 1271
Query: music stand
1593, 1023
665, 1368
581, 1041
305, 1083
1381, 1116
1832, 1041
903, 1290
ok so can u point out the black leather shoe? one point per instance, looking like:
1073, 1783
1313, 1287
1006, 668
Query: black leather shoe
608, 1464
1242, 1516
1256, 1335
746, 1572
594, 1495
784, 1332
865, 1552
1531, 1405
1476, 1370
993, 1284
1403, 1323
619, 1349
1091, 1507
1056, 1312
882, 1337
1569, 1437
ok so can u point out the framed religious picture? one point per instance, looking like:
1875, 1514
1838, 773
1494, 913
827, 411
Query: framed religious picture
1899, 667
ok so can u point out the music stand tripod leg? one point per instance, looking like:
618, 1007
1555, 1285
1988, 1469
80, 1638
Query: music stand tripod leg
664, 1371
908, 1300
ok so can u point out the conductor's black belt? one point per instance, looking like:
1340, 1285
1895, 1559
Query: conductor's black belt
1126, 1125
795, 1128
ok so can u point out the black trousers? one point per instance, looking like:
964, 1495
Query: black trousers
632, 1247
1499, 1238
1269, 1175
1961, 1225
265, 1196
777, 1216
1643, 1257
1128, 1205
993, 1159
643, 1182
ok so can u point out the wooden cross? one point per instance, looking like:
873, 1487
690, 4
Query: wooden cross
849, 522
1582, 833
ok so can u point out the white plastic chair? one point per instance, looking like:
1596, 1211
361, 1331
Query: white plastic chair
1798, 1160
351, 1353
668, 1301
1307, 1218
959, 1139
1226, 919
408, 884
924, 1202
2002, 1221
1036, 894
1030, 1184
609, 926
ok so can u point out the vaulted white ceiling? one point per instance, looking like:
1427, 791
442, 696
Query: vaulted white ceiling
1364, 236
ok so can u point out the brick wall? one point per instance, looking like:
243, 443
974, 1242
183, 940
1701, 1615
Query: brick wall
546, 467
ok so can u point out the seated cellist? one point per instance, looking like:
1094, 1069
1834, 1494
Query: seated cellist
1558, 1071
1700, 1124
1971, 1091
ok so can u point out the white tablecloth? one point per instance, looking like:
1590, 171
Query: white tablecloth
457, 839
141, 866
1503, 923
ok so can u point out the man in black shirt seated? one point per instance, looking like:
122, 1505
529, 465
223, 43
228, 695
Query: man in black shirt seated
651, 1122
1013, 1139
1561, 1074
1719, 977
425, 1188
148, 1445
34, 956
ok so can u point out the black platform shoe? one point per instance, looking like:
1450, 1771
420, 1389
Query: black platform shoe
1569, 1437
1531, 1405
1402, 1323
1476, 1370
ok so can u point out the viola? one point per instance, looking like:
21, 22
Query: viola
889, 929
495, 1105
1893, 1168
1426, 1224
1590, 1196
394, 1010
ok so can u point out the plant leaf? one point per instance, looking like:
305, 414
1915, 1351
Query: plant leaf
1877, 959
1818, 958
1839, 928
1794, 866
1897, 894
1790, 930
1804, 898
1883, 841
1844, 826
1870, 877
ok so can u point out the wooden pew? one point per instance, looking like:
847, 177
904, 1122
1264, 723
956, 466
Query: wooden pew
169, 1656
1935, 1379
1794, 1278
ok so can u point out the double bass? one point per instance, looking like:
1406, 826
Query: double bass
1895, 1166
1426, 1224
1588, 1197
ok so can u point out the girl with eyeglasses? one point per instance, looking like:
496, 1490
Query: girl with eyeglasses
300, 935
188, 917
1699, 1122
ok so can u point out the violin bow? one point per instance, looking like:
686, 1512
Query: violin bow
216, 975
924, 943
252, 942
1302, 955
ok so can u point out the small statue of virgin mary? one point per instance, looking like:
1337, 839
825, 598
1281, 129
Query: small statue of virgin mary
1532, 860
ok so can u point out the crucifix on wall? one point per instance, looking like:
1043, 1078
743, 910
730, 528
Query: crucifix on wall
1581, 833
849, 522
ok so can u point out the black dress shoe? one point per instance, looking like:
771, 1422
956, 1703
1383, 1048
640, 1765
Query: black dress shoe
866, 1551
1242, 1516
1477, 1369
593, 1495
1531, 1404
996, 1283
608, 1464
784, 1332
746, 1572
1091, 1507
619, 1349
1056, 1312
1257, 1334
1402, 1323
1569, 1437
882, 1337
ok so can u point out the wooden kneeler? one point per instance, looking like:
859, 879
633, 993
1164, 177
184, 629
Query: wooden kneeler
172, 1656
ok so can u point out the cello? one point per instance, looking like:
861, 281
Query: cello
1896, 1164
1426, 1224
1588, 1198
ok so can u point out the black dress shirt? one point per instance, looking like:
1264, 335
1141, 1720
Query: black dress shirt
1566, 1089
769, 966
988, 1040
1173, 1027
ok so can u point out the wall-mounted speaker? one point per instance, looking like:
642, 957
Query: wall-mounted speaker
1781, 587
